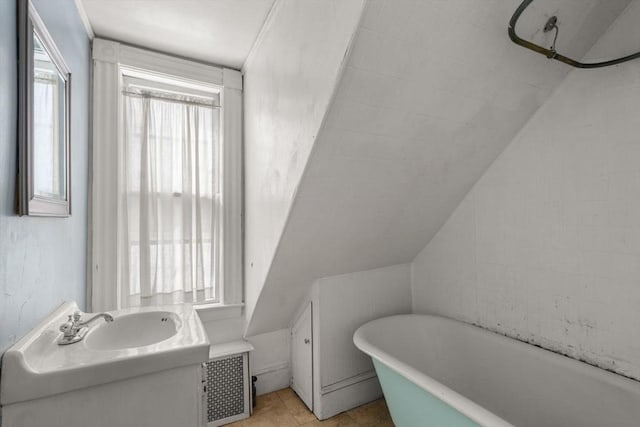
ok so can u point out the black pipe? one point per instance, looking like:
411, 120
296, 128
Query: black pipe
553, 54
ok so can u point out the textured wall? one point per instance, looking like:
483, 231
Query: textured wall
432, 92
546, 246
42, 260
288, 83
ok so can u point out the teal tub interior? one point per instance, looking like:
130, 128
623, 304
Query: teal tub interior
412, 406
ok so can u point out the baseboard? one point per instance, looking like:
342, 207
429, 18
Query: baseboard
272, 378
347, 382
339, 398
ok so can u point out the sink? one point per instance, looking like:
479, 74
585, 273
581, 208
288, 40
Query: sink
139, 341
133, 330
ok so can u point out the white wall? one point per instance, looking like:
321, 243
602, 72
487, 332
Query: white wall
431, 94
344, 376
546, 246
348, 301
289, 80
270, 360
223, 327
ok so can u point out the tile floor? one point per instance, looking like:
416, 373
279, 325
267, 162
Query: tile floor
283, 408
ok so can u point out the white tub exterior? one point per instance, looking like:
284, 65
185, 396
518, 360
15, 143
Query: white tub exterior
499, 381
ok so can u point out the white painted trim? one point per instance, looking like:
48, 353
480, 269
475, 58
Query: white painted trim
272, 380
314, 296
104, 212
105, 50
85, 19
212, 312
347, 398
231, 79
135, 57
347, 382
110, 58
268, 21
309, 399
220, 351
232, 282
303, 306
274, 367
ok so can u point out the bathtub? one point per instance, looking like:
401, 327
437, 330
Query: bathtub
440, 372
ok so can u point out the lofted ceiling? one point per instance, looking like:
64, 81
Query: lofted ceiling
432, 93
216, 31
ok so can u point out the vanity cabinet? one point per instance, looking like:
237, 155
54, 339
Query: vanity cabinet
143, 368
162, 399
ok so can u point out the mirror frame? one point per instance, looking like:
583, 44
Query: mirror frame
28, 203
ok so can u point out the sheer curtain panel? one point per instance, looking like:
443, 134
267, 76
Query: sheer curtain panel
169, 205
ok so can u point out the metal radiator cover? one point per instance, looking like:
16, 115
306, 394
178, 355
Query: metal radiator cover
225, 388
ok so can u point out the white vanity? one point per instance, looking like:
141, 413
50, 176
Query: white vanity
142, 369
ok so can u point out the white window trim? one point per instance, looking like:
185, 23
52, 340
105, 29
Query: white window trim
109, 58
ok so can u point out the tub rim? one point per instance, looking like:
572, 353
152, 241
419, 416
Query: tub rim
462, 403
449, 396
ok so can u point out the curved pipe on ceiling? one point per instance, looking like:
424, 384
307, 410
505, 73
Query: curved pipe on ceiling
552, 53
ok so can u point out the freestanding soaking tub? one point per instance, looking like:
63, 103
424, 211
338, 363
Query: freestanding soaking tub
440, 372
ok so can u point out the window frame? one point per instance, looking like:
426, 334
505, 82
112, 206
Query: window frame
112, 61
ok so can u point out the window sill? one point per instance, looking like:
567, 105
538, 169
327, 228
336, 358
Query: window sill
218, 311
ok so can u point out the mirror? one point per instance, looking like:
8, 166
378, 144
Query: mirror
43, 120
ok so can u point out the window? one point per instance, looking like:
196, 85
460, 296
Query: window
169, 222
171, 184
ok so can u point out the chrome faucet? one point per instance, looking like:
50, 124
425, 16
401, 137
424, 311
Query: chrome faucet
107, 318
74, 329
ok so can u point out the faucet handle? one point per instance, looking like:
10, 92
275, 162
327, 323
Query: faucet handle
67, 328
76, 316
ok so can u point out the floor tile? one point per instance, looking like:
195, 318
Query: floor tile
340, 420
287, 393
283, 408
299, 410
372, 414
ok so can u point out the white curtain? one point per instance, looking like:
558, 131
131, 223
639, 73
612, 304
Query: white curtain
168, 213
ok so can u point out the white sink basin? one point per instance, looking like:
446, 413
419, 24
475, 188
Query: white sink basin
133, 330
139, 341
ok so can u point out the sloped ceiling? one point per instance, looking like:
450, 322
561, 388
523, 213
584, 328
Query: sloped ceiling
215, 31
433, 92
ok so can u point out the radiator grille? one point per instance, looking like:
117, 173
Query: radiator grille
225, 388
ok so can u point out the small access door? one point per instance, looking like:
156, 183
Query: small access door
302, 357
